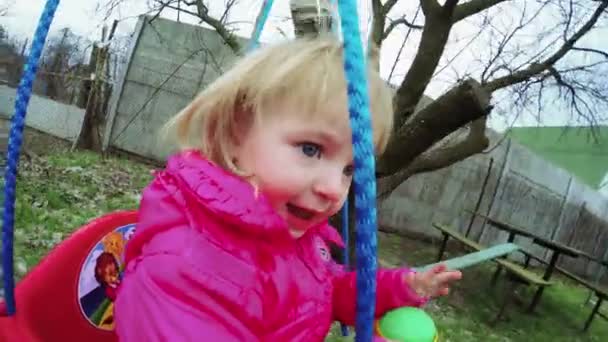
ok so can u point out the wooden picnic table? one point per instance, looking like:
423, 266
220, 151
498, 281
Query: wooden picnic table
516, 273
556, 248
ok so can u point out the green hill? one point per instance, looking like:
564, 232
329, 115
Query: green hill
575, 149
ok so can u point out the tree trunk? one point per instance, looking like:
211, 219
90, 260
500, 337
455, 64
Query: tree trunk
91, 130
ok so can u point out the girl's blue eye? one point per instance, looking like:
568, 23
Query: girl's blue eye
311, 149
349, 170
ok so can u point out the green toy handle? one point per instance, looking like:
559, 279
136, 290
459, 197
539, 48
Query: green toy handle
407, 324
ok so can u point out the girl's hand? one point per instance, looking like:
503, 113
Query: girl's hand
432, 283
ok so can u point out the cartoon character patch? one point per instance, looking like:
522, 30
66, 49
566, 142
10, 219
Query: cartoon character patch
100, 276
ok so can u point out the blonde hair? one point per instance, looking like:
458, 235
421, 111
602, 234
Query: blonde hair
308, 71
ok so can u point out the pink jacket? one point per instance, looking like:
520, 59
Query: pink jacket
211, 262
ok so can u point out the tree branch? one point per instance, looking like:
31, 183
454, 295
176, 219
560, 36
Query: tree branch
600, 52
537, 68
203, 13
434, 37
407, 35
472, 7
378, 22
464, 103
388, 5
436, 159
4, 8
488, 71
160, 9
229, 5
401, 21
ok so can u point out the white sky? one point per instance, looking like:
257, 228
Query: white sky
84, 18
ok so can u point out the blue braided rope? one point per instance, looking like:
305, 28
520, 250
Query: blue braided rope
14, 147
365, 169
254, 41
345, 260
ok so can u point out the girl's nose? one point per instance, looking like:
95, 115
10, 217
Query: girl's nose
330, 185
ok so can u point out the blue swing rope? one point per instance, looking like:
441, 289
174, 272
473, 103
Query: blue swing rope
14, 147
365, 169
254, 42
364, 177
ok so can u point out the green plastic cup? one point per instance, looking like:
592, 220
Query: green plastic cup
407, 324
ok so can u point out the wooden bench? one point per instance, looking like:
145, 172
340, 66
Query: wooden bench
517, 274
600, 291
517, 270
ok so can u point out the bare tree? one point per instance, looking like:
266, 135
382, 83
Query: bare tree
97, 93
529, 68
198, 9
60, 66
530, 51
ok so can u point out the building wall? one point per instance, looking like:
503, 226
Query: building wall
170, 63
55, 118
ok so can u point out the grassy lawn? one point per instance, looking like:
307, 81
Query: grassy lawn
59, 191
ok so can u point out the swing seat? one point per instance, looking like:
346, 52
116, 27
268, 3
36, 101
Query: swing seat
69, 295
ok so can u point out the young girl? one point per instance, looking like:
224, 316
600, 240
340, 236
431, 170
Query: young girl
232, 240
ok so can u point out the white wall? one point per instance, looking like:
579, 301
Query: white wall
44, 114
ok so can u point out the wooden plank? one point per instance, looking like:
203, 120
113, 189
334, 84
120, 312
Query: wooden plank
596, 287
471, 259
524, 274
458, 236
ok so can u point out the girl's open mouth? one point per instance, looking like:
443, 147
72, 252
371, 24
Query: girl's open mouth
299, 212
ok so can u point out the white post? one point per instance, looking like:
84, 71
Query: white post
311, 16
119, 85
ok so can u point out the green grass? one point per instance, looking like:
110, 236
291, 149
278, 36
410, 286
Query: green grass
61, 191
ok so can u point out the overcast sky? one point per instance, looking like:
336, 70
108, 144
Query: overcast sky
85, 18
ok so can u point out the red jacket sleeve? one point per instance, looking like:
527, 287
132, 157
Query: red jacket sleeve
391, 292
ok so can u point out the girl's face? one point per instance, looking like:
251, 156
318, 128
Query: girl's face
302, 165
110, 274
